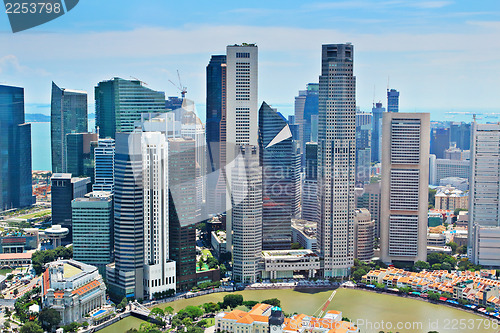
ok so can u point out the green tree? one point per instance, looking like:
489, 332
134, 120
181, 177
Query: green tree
31, 327
211, 307
123, 303
223, 270
200, 263
436, 267
49, 318
296, 246
187, 321
462, 249
193, 311
453, 246
421, 265
233, 300
156, 312
73, 327
432, 198
358, 274
272, 301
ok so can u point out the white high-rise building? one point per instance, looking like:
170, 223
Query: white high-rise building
247, 214
336, 159
484, 195
242, 111
159, 271
104, 166
405, 186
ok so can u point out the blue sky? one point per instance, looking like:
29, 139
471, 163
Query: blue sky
441, 55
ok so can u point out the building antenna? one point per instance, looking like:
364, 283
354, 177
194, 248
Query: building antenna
373, 96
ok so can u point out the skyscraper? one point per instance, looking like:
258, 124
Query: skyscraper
93, 229
440, 141
68, 113
65, 188
104, 165
119, 104
460, 135
364, 231
277, 155
306, 108
363, 147
242, 112
405, 182
216, 100
126, 275
484, 195
247, 214
310, 193
79, 154
182, 209
159, 270
377, 112
392, 100
336, 158
15, 150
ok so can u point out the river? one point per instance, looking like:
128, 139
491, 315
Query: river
371, 311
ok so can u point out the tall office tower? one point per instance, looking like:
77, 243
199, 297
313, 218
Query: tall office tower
104, 165
392, 100
216, 100
68, 113
363, 147
15, 150
64, 189
182, 209
306, 109
174, 103
126, 275
405, 187
484, 195
242, 111
247, 214
364, 231
377, 112
370, 199
310, 197
440, 141
277, 156
159, 271
93, 229
80, 155
192, 127
119, 104
460, 134
336, 158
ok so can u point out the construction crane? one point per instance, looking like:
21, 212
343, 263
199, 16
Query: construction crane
180, 87
323, 309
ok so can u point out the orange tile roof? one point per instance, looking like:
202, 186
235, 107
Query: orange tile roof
259, 308
46, 282
86, 288
58, 294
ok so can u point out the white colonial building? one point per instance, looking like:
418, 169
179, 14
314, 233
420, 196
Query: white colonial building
72, 288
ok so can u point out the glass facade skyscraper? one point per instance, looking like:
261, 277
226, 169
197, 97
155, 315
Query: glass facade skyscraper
277, 156
392, 100
79, 154
377, 113
119, 104
68, 114
15, 150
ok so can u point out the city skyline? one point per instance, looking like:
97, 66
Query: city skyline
399, 41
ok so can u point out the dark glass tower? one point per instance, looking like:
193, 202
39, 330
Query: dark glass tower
460, 134
377, 112
80, 154
278, 160
216, 80
68, 113
440, 141
392, 100
15, 150
182, 210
